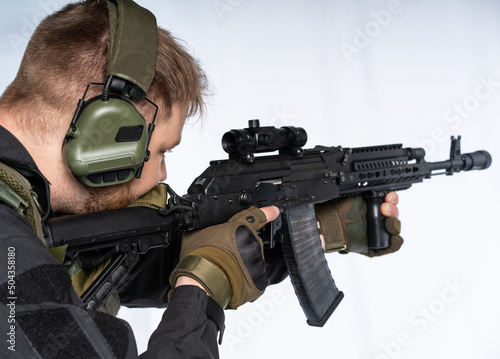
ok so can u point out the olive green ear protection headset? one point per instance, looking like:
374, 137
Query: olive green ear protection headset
107, 141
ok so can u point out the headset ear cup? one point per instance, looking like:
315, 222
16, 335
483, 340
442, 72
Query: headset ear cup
109, 143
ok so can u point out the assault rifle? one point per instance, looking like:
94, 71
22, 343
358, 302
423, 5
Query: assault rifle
293, 180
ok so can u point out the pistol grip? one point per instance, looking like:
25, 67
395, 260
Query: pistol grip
378, 237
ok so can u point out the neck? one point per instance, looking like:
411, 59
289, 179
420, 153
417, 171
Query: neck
65, 190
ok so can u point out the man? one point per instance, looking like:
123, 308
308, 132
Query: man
46, 317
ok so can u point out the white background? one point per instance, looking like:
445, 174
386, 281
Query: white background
352, 73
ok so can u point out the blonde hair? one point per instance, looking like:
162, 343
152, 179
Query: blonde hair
68, 50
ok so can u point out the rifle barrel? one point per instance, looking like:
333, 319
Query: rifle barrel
478, 160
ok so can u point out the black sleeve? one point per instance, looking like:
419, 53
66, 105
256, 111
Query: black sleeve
42, 316
188, 328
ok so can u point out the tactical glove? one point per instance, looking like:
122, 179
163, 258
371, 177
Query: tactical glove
226, 259
343, 224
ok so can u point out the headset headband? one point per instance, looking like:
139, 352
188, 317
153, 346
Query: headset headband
132, 24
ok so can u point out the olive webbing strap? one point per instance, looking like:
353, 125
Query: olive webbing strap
16, 192
27, 207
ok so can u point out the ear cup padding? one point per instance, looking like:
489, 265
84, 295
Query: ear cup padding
110, 140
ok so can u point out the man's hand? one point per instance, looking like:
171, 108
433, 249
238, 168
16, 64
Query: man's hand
271, 213
226, 260
342, 225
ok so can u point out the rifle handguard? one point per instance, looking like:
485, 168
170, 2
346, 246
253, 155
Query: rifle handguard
207, 274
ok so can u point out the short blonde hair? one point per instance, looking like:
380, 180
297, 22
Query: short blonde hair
69, 49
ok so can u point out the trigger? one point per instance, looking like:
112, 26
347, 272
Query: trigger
275, 226
270, 231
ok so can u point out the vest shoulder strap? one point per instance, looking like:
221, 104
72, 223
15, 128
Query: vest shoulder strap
17, 193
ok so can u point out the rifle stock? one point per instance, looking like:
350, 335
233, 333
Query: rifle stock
293, 180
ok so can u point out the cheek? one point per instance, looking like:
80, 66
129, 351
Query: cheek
154, 171
163, 170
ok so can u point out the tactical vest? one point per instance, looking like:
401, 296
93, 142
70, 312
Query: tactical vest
17, 193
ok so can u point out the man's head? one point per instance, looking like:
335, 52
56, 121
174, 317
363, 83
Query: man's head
68, 50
